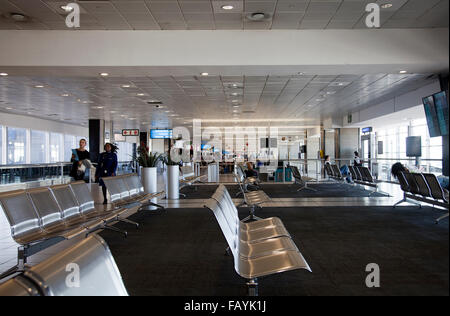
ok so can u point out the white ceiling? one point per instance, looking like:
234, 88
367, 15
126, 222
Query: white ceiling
299, 100
208, 15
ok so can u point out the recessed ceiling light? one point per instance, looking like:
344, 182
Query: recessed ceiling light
3, 74
126, 86
235, 106
67, 8
403, 71
39, 86
227, 7
140, 94
99, 107
204, 74
18, 17
104, 74
386, 6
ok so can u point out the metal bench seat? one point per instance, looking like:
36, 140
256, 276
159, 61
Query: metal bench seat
70, 209
19, 286
252, 231
91, 257
422, 188
254, 256
127, 191
136, 188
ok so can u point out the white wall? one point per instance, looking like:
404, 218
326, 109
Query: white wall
348, 141
22, 121
348, 51
400, 103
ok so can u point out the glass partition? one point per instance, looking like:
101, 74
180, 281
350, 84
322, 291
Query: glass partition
16, 138
38, 147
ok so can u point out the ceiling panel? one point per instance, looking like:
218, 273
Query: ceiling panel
188, 97
208, 14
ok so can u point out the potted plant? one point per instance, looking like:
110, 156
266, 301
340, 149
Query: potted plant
148, 162
173, 174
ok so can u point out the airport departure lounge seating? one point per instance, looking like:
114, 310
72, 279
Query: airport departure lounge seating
84, 269
423, 188
299, 180
260, 248
188, 176
248, 183
363, 176
333, 172
126, 191
42, 217
252, 199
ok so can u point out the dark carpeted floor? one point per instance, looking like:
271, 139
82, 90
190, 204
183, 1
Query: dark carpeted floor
285, 191
181, 252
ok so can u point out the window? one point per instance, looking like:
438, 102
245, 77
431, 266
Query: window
70, 142
125, 152
55, 147
38, 147
16, 138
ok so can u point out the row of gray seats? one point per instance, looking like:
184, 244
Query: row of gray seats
298, 179
252, 199
423, 187
188, 178
84, 269
42, 217
126, 191
248, 183
259, 248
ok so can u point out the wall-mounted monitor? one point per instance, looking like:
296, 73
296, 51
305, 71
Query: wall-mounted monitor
414, 146
441, 105
161, 134
436, 112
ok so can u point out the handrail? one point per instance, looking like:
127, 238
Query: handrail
42, 165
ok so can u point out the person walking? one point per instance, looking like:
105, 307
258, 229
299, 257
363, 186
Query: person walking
79, 155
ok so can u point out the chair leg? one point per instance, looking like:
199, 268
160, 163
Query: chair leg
252, 285
441, 218
400, 202
125, 220
114, 229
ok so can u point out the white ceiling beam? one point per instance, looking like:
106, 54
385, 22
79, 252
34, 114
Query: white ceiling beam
225, 52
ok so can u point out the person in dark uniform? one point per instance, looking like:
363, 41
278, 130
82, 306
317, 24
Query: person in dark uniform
77, 161
107, 167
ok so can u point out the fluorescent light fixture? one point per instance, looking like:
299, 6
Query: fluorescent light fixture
67, 8
104, 74
204, 74
140, 94
65, 95
39, 86
3, 74
126, 86
403, 71
227, 7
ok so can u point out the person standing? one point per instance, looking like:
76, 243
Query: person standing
78, 156
107, 167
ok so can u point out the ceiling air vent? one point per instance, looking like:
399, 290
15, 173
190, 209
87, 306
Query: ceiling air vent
258, 16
